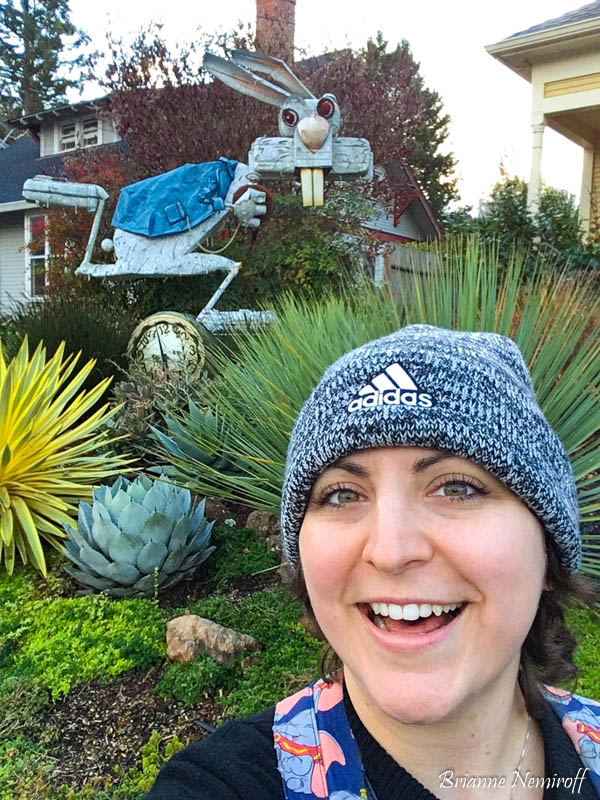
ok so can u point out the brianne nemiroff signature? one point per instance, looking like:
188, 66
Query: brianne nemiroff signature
448, 780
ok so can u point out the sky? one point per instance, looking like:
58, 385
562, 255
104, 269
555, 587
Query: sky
489, 105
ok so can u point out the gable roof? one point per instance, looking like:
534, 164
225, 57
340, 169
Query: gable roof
20, 161
587, 12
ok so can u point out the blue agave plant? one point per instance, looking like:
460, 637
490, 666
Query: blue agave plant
136, 538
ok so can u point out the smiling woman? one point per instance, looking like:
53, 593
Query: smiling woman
430, 514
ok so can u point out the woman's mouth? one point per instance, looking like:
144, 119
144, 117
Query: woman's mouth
411, 618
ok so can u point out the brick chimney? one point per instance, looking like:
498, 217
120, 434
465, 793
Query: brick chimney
275, 22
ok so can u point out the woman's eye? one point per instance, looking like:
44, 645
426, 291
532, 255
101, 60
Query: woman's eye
456, 490
343, 497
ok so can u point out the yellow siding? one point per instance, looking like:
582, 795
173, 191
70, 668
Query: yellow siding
582, 83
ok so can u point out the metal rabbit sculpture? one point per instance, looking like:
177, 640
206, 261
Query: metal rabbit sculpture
309, 146
161, 222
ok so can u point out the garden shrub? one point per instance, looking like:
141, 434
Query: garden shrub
24, 769
25, 773
554, 234
139, 779
10, 337
49, 456
552, 318
586, 626
84, 322
146, 398
21, 704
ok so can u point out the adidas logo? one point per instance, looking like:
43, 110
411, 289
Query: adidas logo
392, 387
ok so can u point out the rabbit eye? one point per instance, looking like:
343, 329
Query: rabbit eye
290, 117
325, 107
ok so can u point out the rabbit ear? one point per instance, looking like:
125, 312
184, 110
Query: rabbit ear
243, 81
273, 67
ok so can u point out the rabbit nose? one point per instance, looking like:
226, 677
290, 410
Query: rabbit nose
313, 131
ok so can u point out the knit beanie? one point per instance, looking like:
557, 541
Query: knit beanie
469, 393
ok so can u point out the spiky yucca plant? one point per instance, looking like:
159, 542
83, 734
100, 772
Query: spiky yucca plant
49, 457
554, 320
137, 537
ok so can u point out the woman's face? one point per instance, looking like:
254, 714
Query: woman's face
395, 533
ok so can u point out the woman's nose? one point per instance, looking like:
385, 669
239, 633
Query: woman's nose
397, 537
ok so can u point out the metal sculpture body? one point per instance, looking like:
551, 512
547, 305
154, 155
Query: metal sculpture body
161, 256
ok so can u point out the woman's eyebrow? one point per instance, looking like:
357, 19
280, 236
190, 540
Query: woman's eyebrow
422, 464
349, 466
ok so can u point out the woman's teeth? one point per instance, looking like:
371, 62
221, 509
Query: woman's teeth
411, 611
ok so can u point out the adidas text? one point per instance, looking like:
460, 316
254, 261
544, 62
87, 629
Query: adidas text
393, 397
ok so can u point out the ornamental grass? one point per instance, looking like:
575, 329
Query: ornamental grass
262, 385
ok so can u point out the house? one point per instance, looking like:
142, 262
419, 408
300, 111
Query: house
410, 220
47, 135
561, 60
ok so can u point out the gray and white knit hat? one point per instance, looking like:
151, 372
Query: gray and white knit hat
468, 393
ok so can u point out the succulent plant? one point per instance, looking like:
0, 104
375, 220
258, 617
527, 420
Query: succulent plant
199, 436
137, 537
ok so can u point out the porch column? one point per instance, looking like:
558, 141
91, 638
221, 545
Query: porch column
585, 201
534, 189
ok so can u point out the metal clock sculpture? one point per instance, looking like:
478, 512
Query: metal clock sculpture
168, 341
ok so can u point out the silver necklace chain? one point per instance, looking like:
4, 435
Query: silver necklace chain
520, 764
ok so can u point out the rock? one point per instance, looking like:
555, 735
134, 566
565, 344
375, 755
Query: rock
189, 635
273, 543
311, 627
265, 524
286, 574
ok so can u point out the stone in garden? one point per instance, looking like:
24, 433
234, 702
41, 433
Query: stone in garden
310, 626
265, 524
273, 543
190, 635
286, 574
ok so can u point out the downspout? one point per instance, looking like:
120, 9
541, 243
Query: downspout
379, 268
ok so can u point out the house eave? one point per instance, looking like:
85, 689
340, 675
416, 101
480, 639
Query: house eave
34, 121
520, 53
16, 205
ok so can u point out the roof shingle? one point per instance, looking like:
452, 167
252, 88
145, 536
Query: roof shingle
21, 161
589, 11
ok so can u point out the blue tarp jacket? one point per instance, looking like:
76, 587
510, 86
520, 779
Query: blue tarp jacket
174, 201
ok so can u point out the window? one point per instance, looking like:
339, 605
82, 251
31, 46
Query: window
68, 136
37, 255
78, 133
89, 132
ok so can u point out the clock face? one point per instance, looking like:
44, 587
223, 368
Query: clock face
168, 341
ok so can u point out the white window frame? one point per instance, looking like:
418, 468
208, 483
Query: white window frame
31, 259
79, 134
